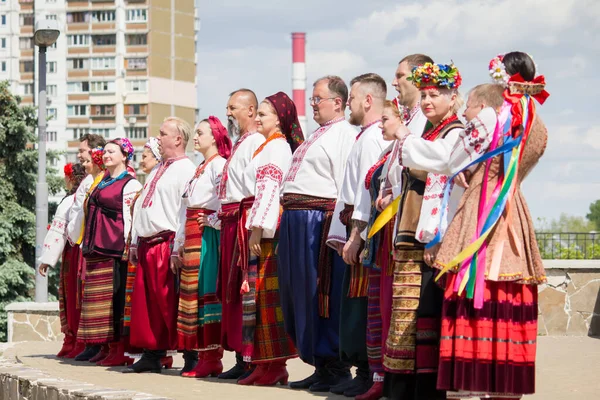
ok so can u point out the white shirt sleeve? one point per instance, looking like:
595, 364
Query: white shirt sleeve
370, 152
76, 212
337, 230
129, 192
56, 238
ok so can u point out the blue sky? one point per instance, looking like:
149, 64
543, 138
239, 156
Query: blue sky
248, 44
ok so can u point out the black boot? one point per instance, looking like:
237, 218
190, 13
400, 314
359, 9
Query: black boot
150, 362
190, 359
361, 383
334, 372
306, 382
239, 369
88, 353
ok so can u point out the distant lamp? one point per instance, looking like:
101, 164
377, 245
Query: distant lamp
46, 33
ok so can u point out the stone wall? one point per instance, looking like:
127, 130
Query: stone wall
31, 321
569, 304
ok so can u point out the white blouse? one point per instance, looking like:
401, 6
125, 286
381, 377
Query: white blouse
230, 189
76, 212
443, 158
263, 179
200, 193
159, 206
56, 238
318, 164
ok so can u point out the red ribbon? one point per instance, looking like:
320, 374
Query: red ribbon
538, 80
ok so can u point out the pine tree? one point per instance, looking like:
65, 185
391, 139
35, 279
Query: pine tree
18, 171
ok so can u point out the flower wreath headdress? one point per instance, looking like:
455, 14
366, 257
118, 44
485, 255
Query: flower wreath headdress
436, 76
498, 70
68, 170
97, 154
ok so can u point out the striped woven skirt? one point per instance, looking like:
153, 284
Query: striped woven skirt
67, 290
490, 351
102, 305
264, 335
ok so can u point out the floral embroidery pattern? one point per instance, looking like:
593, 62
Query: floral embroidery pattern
268, 176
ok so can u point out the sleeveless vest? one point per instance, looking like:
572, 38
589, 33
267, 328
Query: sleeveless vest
104, 227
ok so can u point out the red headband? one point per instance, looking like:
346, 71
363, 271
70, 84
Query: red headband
219, 132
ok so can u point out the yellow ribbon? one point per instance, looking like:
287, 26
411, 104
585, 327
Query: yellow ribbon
385, 216
96, 182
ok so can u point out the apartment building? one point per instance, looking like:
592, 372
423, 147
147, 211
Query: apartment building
118, 68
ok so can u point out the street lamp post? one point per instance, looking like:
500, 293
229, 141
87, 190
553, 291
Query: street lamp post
46, 33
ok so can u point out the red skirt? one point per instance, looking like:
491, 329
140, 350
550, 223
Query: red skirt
492, 350
68, 288
154, 299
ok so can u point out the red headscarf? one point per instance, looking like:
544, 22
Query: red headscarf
288, 119
221, 137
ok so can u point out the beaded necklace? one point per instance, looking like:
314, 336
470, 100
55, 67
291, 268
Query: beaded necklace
433, 133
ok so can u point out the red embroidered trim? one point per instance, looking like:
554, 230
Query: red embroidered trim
275, 136
161, 171
433, 133
364, 128
222, 188
372, 170
263, 174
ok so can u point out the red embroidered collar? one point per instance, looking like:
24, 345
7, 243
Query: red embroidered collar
433, 133
364, 128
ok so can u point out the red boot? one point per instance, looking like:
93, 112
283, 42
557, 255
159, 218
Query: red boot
277, 373
211, 363
78, 348
374, 393
112, 349
67, 347
258, 373
166, 362
192, 373
102, 354
118, 357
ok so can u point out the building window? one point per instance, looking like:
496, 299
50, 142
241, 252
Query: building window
103, 63
137, 15
136, 63
135, 109
106, 132
51, 67
51, 90
138, 39
104, 40
25, 66
78, 17
2, 43
78, 87
103, 86
50, 113
51, 17
77, 63
104, 110
26, 43
26, 89
136, 132
3, 19
51, 136
103, 16
137, 86
3, 66
77, 111
78, 40
26, 19
77, 132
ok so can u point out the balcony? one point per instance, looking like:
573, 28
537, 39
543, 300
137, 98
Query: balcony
78, 26
104, 72
78, 120
77, 4
78, 97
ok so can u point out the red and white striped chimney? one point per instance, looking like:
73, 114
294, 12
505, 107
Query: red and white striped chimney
299, 77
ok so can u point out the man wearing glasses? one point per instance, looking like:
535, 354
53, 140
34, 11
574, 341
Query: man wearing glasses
310, 273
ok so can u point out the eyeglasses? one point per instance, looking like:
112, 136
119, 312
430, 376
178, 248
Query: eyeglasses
317, 100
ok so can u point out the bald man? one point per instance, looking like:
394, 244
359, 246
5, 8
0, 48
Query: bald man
241, 114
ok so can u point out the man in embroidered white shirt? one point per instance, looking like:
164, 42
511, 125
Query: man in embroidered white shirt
310, 273
155, 293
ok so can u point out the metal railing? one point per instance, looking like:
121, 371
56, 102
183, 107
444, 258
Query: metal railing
569, 245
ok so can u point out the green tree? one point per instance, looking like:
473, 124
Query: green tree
594, 215
18, 171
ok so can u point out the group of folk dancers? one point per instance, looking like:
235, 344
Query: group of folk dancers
405, 250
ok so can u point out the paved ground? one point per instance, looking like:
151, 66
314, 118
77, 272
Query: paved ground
568, 369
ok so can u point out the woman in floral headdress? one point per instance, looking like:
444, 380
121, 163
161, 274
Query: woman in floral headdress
107, 223
411, 349
56, 245
265, 342
490, 256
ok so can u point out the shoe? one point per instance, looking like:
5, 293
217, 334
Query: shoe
238, 370
248, 372
88, 353
118, 357
276, 373
211, 364
148, 363
77, 349
258, 372
190, 359
341, 387
361, 385
375, 393
102, 354
166, 362
329, 380
67, 347
306, 382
